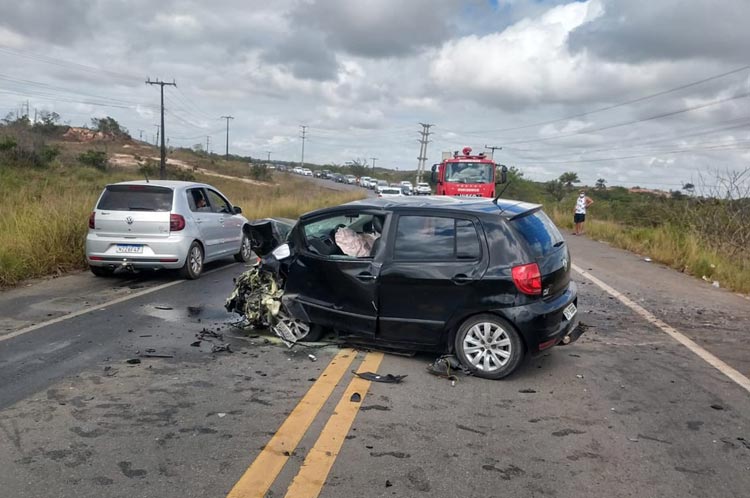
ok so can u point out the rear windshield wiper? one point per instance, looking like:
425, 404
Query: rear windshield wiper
140, 208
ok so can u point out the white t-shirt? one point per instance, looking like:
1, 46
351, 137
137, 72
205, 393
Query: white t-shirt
581, 205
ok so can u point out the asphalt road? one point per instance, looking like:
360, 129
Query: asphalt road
628, 410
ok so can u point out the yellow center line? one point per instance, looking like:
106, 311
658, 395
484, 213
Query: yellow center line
261, 474
314, 471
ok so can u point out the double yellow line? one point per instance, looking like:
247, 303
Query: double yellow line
309, 481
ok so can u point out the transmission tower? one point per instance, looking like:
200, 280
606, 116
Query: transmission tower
226, 156
303, 136
423, 141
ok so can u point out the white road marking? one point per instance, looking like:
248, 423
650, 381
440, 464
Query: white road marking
678, 336
101, 306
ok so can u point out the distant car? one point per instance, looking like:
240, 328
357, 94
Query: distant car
364, 182
381, 184
405, 189
350, 179
164, 225
487, 280
423, 189
307, 172
389, 192
338, 178
326, 174
318, 174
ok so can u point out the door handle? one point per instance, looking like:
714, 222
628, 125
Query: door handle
365, 276
461, 279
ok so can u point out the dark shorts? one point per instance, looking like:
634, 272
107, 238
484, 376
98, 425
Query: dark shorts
579, 218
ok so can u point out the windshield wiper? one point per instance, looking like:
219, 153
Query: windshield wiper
140, 208
558, 244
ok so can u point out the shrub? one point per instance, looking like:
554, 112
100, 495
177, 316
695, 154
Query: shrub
94, 158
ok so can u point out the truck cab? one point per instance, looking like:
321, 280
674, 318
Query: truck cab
465, 175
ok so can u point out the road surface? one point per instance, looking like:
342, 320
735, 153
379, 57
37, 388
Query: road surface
649, 402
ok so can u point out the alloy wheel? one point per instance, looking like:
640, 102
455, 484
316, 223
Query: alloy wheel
487, 346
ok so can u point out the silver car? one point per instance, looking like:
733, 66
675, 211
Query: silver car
164, 225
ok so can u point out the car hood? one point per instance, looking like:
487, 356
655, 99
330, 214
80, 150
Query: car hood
268, 233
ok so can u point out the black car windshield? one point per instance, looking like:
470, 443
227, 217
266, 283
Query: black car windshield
469, 172
539, 232
136, 198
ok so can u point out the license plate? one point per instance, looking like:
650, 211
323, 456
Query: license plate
129, 249
570, 311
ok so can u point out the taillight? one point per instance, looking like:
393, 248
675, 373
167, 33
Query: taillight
528, 279
92, 219
380, 195
176, 222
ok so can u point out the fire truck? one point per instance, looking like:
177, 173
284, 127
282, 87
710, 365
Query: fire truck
467, 175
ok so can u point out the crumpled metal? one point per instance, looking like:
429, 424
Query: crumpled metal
256, 296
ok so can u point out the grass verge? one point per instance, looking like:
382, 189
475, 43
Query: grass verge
674, 246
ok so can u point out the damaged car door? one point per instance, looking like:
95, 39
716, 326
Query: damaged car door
326, 286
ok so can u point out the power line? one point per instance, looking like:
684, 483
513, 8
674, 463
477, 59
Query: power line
373, 162
492, 149
620, 104
163, 158
227, 118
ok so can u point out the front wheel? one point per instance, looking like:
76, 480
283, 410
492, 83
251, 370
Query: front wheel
295, 330
489, 346
193, 266
246, 253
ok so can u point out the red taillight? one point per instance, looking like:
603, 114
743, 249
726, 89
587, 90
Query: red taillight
92, 219
380, 195
176, 222
528, 279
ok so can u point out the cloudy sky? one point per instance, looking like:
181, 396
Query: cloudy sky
633, 91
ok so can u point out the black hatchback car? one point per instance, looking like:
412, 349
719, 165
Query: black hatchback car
487, 280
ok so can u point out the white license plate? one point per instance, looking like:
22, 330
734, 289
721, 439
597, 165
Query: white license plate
129, 249
570, 311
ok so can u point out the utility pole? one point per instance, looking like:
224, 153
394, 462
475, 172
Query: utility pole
373, 162
163, 158
156, 142
208, 141
492, 149
303, 136
140, 135
269, 155
226, 156
423, 141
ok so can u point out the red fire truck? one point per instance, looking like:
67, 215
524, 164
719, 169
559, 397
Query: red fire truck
467, 175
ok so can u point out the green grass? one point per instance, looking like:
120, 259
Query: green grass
45, 212
669, 244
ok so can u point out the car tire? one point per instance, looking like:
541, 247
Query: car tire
302, 331
246, 254
193, 266
101, 271
489, 346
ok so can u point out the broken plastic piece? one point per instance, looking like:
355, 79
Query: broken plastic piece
356, 398
312, 357
133, 361
386, 379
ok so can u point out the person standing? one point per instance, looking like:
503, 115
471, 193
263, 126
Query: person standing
579, 213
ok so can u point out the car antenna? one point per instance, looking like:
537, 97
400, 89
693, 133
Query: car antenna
501, 193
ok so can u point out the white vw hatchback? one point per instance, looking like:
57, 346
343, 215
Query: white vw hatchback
164, 225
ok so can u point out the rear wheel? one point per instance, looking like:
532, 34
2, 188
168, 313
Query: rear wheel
246, 253
489, 346
102, 271
193, 266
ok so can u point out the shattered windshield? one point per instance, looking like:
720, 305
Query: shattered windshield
324, 227
469, 172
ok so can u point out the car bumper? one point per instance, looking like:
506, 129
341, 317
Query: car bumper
543, 324
157, 253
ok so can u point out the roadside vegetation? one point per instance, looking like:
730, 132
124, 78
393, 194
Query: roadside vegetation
48, 188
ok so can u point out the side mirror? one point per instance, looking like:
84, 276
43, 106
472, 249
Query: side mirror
282, 252
433, 176
237, 210
503, 174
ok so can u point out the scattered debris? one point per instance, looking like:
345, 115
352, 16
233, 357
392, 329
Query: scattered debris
133, 361
579, 376
385, 379
445, 366
145, 335
647, 260
109, 371
388, 483
221, 415
717, 407
157, 355
312, 357
196, 344
527, 391
221, 347
716, 284
163, 307
356, 398
256, 296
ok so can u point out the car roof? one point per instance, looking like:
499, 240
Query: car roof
508, 208
173, 184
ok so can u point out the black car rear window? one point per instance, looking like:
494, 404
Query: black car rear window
540, 234
136, 198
